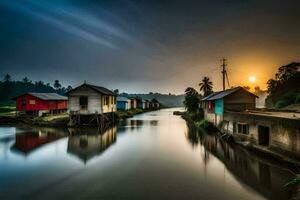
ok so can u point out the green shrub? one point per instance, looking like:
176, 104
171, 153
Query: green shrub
298, 99
281, 104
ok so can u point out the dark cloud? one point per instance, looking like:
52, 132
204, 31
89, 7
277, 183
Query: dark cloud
138, 46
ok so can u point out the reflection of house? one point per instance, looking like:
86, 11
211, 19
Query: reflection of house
39, 103
90, 99
87, 143
27, 141
123, 103
235, 99
257, 173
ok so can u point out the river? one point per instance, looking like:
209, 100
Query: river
154, 155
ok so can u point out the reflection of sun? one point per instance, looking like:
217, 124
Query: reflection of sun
252, 79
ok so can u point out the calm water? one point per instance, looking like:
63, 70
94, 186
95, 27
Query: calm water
151, 156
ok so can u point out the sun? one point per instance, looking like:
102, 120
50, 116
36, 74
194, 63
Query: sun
252, 79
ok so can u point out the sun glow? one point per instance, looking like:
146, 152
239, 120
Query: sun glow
252, 79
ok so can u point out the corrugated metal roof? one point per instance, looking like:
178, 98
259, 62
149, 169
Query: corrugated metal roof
102, 90
48, 96
122, 99
44, 96
210, 95
99, 89
222, 94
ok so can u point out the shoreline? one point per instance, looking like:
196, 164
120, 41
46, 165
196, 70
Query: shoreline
62, 120
260, 151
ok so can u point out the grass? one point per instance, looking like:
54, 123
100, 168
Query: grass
7, 109
50, 118
128, 113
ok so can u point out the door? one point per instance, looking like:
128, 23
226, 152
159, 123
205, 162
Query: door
263, 135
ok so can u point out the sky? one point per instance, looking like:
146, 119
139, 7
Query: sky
138, 46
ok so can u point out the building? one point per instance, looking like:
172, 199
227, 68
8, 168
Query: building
236, 99
88, 99
133, 103
40, 103
261, 100
123, 103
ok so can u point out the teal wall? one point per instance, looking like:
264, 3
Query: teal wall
219, 106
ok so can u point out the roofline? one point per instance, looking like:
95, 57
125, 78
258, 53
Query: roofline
237, 89
89, 85
30, 93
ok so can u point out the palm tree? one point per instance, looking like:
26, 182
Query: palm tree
206, 86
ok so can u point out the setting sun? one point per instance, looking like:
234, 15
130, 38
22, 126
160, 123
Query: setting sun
252, 79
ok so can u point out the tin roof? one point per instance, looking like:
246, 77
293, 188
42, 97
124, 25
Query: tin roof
45, 96
99, 89
122, 99
222, 94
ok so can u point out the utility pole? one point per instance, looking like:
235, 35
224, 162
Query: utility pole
224, 73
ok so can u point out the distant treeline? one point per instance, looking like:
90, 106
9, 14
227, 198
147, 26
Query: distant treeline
10, 88
167, 100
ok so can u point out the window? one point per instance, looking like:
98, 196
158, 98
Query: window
234, 127
243, 128
32, 102
83, 102
114, 100
107, 100
23, 102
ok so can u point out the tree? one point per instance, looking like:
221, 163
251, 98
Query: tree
284, 89
206, 86
7, 78
69, 88
116, 91
191, 101
57, 85
25, 80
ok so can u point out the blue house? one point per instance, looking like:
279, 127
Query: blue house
123, 103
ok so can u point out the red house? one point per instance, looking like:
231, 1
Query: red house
39, 103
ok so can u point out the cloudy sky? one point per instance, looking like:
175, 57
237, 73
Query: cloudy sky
142, 46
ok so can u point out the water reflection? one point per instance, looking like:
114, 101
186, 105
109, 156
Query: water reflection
28, 140
260, 174
86, 143
152, 156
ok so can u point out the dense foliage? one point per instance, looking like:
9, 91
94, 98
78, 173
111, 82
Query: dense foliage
192, 101
10, 88
285, 88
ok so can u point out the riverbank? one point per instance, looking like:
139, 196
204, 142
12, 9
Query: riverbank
203, 124
61, 120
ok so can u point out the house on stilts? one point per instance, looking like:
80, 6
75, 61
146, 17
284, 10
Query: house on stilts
90, 104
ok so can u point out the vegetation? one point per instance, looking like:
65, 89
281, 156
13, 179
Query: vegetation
122, 114
10, 88
294, 181
7, 109
206, 86
284, 90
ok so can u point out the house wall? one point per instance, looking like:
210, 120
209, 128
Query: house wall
35, 104
95, 101
122, 105
239, 101
284, 134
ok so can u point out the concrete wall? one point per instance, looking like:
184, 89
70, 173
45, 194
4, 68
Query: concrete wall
284, 134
